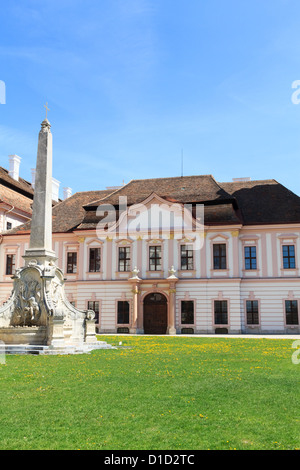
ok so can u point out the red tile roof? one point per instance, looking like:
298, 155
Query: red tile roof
67, 214
247, 202
15, 199
264, 202
22, 186
186, 189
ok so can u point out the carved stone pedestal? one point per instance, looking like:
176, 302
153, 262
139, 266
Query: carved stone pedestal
38, 304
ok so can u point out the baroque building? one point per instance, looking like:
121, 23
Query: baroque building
177, 255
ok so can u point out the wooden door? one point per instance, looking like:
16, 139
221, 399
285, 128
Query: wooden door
155, 314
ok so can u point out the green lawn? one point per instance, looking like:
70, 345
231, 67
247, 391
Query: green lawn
154, 393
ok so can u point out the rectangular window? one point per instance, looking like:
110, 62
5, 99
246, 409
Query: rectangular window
95, 260
291, 312
288, 252
220, 256
123, 312
72, 262
10, 264
124, 258
252, 312
250, 257
187, 312
154, 258
187, 257
221, 314
94, 305
8, 225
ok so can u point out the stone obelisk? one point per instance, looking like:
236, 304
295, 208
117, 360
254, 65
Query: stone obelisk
38, 311
40, 246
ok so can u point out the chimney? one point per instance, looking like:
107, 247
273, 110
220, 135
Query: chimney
67, 192
33, 177
55, 189
14, 165
55, 185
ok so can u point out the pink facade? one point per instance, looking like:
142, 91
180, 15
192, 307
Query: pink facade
203, 299
216, 258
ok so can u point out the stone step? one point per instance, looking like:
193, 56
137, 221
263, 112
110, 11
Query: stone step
48, 350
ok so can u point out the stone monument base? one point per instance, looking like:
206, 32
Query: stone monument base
39, 314
24, 335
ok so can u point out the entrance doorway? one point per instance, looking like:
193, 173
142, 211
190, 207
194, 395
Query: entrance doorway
155, 314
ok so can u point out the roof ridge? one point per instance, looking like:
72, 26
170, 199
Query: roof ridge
90, 204
218, 184
80, 192
172, 177
250, 181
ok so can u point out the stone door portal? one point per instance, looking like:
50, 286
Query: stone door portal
155, 314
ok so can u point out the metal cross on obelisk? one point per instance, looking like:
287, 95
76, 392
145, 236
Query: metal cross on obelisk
47, 109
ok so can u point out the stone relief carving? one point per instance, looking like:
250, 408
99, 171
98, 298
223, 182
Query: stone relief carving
38, 294
27, 300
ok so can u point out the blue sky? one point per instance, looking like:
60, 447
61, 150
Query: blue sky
133, 84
